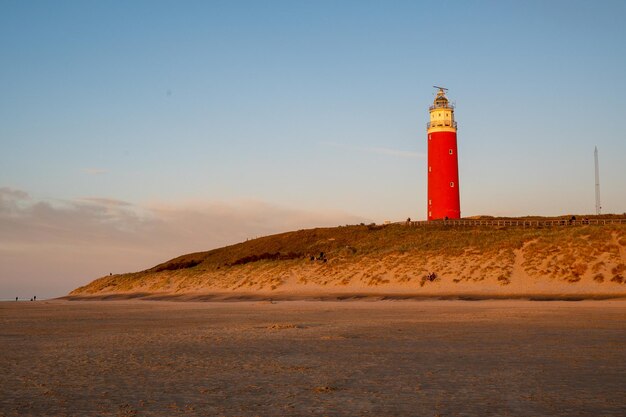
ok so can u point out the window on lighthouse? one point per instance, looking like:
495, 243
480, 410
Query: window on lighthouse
451, 183
450, 151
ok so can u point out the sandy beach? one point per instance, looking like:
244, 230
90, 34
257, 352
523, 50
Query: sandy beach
426, 358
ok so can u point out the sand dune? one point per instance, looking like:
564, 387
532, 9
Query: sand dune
394, 261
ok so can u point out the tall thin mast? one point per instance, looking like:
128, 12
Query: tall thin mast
598, 207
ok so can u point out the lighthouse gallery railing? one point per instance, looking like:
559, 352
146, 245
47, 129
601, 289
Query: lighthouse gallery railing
440, 124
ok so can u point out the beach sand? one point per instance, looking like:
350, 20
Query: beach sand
379, 358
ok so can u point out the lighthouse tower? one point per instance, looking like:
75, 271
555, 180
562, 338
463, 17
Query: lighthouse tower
443, 165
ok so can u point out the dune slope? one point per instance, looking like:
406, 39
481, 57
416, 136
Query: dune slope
393, 260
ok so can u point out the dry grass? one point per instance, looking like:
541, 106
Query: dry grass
382, 256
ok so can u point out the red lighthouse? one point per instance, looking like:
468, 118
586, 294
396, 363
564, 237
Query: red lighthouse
443, 164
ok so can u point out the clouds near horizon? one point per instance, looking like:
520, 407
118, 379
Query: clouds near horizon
48, 247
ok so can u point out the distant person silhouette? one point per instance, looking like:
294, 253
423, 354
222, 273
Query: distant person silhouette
35, 298
15, 298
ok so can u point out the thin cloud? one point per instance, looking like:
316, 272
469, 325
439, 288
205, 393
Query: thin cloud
396, 152
95, 171
378, 150
105, 201
8, 193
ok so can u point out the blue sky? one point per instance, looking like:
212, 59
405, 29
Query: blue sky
310, 107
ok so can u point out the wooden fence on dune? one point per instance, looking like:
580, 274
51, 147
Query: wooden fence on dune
514, 222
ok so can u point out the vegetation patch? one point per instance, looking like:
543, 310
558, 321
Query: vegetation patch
504, 280
618, 269
267, 256
174, 266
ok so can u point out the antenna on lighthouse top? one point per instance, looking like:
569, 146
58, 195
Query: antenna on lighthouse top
441, 101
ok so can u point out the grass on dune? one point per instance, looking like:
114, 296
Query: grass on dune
348, 242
